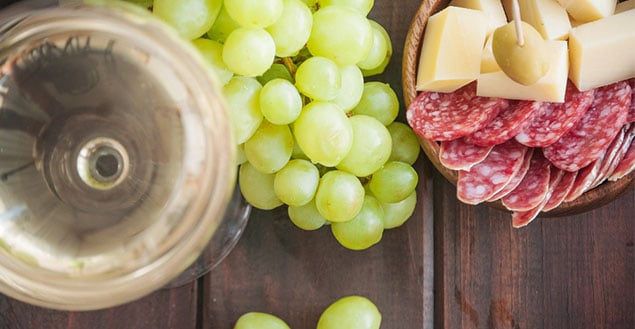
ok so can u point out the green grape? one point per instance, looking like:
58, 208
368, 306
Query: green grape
356, 312
318, 78
291, 31
297, 152
296, 183
340, 34
212, 52
259, 320
371, 148
276, 71
394, 182
339, 196
257, 188
254, 13
142, 3
324, 133
377, 53
364, 230
380, 101
191, 18
306, 217
361, 6
395, 214
242, 96
280, 102
405, 144
351, 88
249, 52
222, 27
269, 148
380, 69
240, 154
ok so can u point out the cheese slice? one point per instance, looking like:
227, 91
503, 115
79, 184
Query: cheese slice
624, 6
603, 51
451, 49
550, 88
589, 10
488, 62
493, 10
547, 17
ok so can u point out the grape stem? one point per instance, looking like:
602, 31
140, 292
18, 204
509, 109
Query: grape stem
290, 65
517, 21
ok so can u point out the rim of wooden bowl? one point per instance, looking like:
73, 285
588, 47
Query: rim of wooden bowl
597, 197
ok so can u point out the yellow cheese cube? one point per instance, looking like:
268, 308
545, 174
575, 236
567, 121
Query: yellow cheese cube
493, 10
451, 49
603, 51
488, 62
624, 6
589, 10
549, 88
547, 17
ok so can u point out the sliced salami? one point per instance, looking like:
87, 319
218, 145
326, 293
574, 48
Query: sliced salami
522, 218
533, 188
627, 163
613, 155
631, 110
556, 118
584, 179
508, 123
590, 137
446, 116
561, 191
458, 154
491, 175
517, 178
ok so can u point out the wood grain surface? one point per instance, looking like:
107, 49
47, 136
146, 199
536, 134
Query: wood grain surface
450, 266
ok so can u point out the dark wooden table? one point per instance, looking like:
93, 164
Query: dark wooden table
450, 266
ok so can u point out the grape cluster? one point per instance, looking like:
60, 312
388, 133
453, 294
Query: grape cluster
313, 134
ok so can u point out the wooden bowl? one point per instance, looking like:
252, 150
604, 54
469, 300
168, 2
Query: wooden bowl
594, 198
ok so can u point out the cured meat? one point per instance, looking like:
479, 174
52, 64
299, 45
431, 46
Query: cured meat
517, 178
627, 163
631, 110
522, 218
585, 142
508, 123
491, 175
446, 116
533, 188
556, 118
585, 178
457, 154
613, 155
561, 191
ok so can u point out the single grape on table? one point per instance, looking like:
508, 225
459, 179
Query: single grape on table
314, 135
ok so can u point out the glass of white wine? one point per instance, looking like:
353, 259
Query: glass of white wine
117, 157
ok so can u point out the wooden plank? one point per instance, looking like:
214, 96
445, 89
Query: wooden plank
564, 272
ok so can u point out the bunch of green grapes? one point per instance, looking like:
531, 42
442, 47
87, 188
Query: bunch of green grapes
312, 133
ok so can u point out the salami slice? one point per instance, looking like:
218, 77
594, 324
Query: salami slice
517, 178
458, 154
613, 154
522, 218
556, 118
446, 116
627, 163
631, 110
561, 191
585, 178
491, 175
533, 188
508, 123
585, 142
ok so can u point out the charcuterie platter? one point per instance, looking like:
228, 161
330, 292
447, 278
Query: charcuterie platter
559, 146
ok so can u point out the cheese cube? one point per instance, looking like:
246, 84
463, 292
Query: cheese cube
547, 17
493, 10
451, 49
624, 6
550, 88
589, 10
488, 62
603, 51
